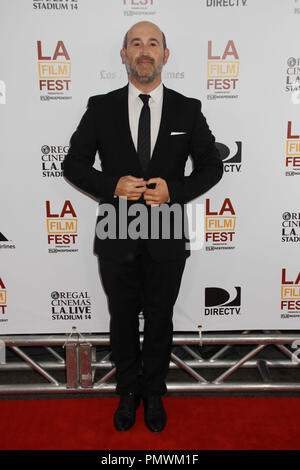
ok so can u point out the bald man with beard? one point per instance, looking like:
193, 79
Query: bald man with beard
144, 134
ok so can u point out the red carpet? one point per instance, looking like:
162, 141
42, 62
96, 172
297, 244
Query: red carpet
193, 424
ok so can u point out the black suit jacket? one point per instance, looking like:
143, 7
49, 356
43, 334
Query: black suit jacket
105, 128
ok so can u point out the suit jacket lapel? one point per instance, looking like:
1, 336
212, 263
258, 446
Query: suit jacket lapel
124, 131
163, 133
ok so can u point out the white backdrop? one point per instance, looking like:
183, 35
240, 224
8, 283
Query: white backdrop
241, 59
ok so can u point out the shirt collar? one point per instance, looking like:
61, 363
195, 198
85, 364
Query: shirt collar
156, 94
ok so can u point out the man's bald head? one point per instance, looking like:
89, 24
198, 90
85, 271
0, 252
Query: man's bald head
144, 23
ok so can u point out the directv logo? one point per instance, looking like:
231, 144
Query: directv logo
219, 301
231, 157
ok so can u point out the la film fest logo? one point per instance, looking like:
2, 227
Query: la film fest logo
139, 7
68, 305
231, 157
62, 228
138, 221
220, 225
221, 302
290, 294
290, 227
292, 156
54, 72
226, 3
293, 75
2, 92
52, 159
3, 299
69, 5
223, 71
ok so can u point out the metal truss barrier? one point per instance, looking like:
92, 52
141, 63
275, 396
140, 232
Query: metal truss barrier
80, 366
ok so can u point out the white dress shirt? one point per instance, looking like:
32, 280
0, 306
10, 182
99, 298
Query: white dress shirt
135, 105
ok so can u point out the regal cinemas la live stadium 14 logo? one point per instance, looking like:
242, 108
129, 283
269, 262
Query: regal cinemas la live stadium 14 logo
3, 300
223, 72
292, 156
61, 5
62, 228
219, 301
290, 227
54, 72
293, 74
52, 159
67, 305
220, 226
139, 7
232, 158
290, 295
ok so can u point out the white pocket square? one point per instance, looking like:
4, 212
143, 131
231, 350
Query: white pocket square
177, 133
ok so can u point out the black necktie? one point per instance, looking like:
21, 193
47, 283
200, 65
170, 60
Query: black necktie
144, 139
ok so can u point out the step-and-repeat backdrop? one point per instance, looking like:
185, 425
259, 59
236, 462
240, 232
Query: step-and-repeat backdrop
241, 58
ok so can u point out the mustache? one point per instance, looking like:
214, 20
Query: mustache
144, 57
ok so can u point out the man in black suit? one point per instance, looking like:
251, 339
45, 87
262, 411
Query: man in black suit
144, 134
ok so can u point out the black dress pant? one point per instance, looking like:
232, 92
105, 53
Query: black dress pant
135, 285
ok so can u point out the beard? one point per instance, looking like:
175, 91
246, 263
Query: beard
141, 73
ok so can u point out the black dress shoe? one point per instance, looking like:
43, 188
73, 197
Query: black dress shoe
124, 417
155, 415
